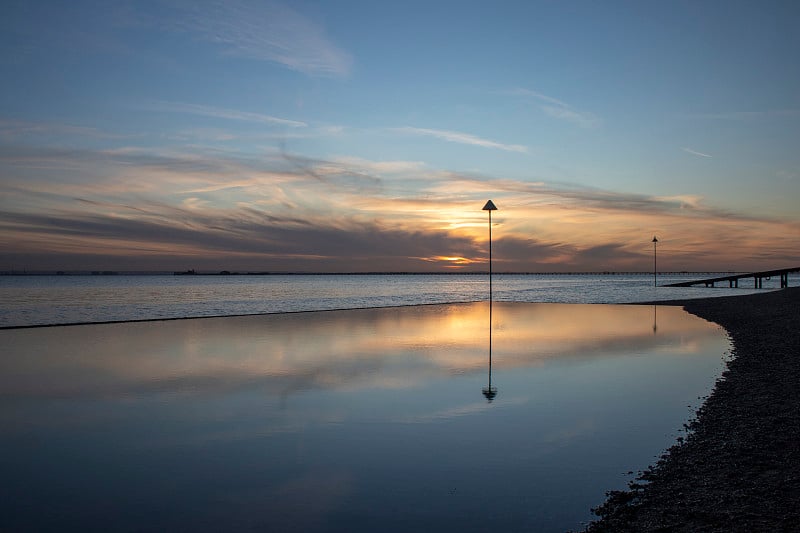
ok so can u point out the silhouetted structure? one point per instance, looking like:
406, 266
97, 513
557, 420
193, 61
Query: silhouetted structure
733, 279
490, 207
655, 267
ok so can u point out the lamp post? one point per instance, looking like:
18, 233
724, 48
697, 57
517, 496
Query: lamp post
490, 207
655, 269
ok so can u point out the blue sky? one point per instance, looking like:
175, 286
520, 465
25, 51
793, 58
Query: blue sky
352, 136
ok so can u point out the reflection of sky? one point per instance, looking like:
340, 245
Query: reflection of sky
370, 413
397, 347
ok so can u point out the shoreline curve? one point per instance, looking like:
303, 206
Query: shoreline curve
739, 467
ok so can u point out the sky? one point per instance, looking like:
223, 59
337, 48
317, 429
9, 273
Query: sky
363, 136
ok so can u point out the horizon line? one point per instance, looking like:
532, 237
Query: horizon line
193, 272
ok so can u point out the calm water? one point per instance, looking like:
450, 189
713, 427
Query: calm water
29, 300
361, 420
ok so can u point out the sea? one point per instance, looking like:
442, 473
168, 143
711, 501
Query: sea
341, 403
37, 300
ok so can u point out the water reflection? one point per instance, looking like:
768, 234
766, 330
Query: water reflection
655, 319
489, 392
218, 423
284, 354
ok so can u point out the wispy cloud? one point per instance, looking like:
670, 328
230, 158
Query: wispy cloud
12, 129
539, 96
267, 31
566, 196
227, 235
584, 120
559, 109
695, 152
219, 112
125, 172
788, 174
747, 115
291, 212
462, 138
381, 167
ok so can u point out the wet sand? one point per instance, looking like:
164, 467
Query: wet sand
739, 467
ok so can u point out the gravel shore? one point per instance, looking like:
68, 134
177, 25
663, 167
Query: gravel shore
739, 467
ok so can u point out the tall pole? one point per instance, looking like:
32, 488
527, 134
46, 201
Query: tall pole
490, 207
655, 268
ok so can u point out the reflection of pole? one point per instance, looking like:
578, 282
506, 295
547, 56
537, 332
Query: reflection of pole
655, 319
490, 344
490, 392
655, 269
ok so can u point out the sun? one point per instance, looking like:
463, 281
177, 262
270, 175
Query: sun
451, 261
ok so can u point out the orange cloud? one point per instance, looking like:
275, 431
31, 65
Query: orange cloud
287, 212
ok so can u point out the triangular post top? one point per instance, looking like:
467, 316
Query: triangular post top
489, 206
654, 238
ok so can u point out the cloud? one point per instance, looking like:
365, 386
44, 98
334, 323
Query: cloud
381, 167
224, 236
228, 114
694, 152
584, 120
788, 174
538, 96
569, 195
604, 254
266, 31
559, 109
348, 181
327, 171
14, 129
462, 138
747, 115
217, 209
516, 250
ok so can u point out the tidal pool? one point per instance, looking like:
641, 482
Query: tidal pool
367, 420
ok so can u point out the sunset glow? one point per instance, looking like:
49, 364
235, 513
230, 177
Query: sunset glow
455, 261
406, 347
340, 138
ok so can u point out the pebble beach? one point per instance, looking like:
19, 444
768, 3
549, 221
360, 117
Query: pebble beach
738, 469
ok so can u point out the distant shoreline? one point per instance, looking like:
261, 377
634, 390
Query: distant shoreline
739, 467
278, 273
